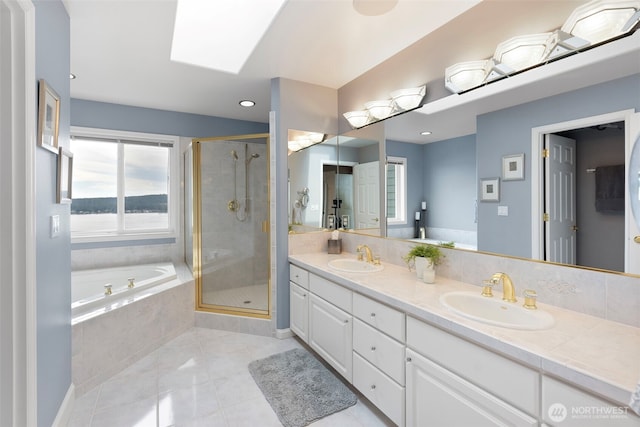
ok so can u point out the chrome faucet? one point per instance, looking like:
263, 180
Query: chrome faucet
367, 252
508, 290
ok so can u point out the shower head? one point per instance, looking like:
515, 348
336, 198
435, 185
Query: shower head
234, 154
253, 156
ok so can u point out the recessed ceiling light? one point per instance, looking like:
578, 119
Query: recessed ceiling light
72, 76
426, 132
247, 103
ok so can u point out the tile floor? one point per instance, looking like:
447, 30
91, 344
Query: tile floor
199, 379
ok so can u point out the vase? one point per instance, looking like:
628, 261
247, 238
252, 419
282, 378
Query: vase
429, 273
421, 264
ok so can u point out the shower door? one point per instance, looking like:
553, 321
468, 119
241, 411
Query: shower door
230, 225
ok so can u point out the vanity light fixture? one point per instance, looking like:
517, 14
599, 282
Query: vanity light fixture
247, 103
465, 75
588, 25
407, 99
402, 100
521, 52
380, 109
304, 140
357, 119
601, 20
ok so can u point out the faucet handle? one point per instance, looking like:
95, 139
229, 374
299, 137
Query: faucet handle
530, 299
360, 253
487, 286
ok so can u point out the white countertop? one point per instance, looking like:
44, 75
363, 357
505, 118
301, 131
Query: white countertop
590, 352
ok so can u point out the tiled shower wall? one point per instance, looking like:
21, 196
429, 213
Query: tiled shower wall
607, 295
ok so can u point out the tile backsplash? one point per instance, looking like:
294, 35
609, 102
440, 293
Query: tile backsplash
607, 295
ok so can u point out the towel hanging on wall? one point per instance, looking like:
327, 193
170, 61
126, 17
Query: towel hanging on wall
610, 189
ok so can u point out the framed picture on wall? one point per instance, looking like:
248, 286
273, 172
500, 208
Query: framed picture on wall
490, 190
513, 167
48, 117
65, 171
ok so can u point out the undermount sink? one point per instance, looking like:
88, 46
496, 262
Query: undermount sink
494, 311
354, 266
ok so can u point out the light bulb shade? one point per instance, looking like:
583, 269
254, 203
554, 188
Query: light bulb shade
407, 99
357, 119
380, 109
601, 20
465, 75
522, 52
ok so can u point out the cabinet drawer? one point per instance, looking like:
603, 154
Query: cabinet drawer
437, 397
564, 405
381, 390
386, 319
505, 378
299, 276
380, 350
329, 291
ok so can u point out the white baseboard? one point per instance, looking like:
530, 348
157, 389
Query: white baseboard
283, 333
66, 408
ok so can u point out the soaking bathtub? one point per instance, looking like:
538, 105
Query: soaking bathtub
88, 287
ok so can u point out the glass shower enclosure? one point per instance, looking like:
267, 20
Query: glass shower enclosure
227, 223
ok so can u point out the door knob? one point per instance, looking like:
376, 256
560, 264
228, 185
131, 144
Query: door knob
636, 239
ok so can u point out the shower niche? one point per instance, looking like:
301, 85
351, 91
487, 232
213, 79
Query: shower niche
226, 218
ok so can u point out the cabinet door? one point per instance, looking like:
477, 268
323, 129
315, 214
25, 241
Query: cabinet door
299, 311
330, 334
437, 397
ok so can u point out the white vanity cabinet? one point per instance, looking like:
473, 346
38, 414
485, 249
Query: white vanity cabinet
452, 382
331, 324
566, 406
299, 302
378, 355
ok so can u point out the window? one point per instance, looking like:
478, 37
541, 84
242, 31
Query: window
396, 190
123, 185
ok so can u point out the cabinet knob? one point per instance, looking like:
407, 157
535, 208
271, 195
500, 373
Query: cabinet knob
304, 295
373, 348
373, 387
346, 320
408, 359
373, 315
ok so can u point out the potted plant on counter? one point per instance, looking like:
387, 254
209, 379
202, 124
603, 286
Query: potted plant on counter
424, 258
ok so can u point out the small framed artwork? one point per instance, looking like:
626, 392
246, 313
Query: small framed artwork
65, 172
490, 190
48, 117
513, 167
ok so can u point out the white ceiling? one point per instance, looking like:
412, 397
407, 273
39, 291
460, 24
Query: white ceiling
120, 52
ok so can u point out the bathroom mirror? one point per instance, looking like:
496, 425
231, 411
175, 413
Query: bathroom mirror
312, 171
449, 171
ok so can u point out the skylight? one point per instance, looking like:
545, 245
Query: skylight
220, 34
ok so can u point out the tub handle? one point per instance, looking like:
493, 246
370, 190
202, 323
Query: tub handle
107, 290
131, 284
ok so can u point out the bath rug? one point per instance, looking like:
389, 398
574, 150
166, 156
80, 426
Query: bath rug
299, 388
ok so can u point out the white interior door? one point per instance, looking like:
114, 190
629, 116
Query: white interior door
366, 182
632, 195
560, 199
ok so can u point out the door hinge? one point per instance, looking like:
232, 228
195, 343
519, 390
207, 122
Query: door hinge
545, 217
545, 153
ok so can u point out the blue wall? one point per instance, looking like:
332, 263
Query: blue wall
508, 131
53, 255
136, 119
450, 183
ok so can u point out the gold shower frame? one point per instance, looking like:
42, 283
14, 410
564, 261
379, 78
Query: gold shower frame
197, 230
